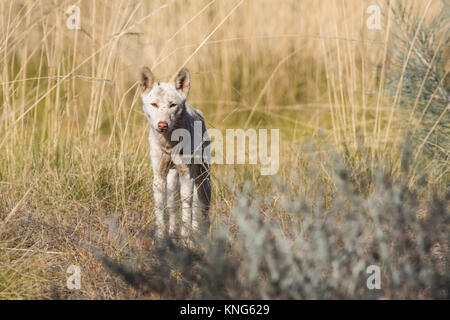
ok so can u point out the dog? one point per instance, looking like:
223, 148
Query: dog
176, 178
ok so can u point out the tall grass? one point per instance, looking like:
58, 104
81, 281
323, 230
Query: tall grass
74, 167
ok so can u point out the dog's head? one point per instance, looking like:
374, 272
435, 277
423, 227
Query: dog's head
164, 103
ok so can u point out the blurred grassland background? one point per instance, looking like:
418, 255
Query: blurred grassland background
74, 166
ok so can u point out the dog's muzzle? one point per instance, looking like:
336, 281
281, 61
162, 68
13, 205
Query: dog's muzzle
162, 125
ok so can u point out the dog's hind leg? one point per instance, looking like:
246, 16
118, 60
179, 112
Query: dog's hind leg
186, 190
173, 199
201, 200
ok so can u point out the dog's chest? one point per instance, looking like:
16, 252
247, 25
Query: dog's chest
162, 150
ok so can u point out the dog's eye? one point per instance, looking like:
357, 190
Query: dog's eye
173, 105
155, 105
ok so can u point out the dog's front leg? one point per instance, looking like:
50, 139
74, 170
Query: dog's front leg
160, 165
159, 194
186, 191
173, 192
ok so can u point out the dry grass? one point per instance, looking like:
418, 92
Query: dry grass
74, 170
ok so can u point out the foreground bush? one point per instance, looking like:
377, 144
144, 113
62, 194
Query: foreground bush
309, 249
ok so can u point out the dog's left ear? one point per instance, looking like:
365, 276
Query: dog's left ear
183, 82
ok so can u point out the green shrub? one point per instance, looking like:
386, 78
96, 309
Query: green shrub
309, 250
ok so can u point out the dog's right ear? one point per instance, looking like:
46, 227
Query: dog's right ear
147, 79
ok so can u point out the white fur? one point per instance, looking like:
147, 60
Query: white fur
174, 182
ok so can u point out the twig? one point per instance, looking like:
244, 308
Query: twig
34, 251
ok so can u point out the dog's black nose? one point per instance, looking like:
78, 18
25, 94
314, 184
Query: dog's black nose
162, 125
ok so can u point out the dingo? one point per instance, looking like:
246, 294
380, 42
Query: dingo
174, 180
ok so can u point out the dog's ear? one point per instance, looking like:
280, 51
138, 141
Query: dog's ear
183, 82
147, 79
